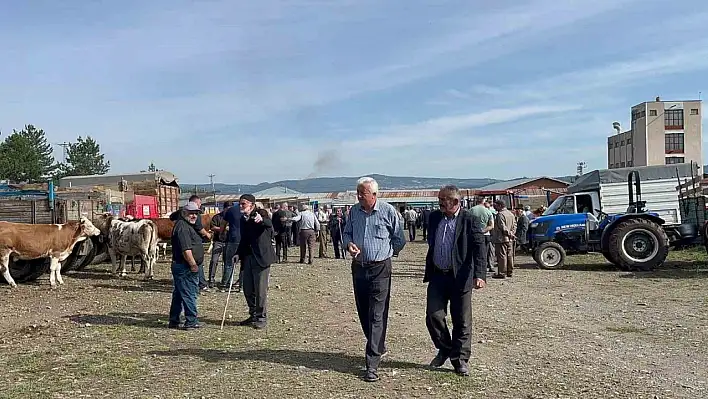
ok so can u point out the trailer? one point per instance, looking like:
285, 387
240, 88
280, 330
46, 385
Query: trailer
606, 191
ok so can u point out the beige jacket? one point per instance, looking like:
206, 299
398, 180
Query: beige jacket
504, 227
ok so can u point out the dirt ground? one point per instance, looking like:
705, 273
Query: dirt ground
588, 331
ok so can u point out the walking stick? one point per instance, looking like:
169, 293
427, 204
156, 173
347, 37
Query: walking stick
228, 296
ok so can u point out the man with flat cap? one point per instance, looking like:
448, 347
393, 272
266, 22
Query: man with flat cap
187, 255
256, 254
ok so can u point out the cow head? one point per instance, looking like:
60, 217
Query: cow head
103, 222
87, 228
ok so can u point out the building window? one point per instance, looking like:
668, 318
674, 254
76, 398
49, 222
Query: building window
674, 160
652, 112
617, 144
673, 119
629, 163
643, 114
609, 146
622, 143
694, 111
629, 141
622, 165
674, 143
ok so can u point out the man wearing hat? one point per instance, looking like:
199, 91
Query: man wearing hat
187, 255
256, 254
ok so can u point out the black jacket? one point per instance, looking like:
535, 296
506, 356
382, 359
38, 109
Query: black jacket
468, 250
256, 240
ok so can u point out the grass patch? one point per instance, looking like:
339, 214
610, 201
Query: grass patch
626, 329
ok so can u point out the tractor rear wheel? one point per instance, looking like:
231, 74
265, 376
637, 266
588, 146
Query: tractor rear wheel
611, 258
638, 244
550, 256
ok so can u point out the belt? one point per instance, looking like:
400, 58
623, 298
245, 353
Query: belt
369, 264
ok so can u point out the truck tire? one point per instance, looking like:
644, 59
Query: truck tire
27, 270
77, 262
550, 256
639, 244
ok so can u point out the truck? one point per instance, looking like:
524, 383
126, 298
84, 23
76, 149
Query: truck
630, 215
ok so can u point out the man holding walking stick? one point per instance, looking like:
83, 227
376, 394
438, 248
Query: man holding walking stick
372, 235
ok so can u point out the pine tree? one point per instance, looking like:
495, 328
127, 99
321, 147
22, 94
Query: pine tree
84, 158
26, 156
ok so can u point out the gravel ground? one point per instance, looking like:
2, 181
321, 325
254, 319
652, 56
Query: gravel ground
587, 331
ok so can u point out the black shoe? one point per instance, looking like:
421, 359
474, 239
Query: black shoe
508, 275
499, 276
439, 360
309, 262
302, 262
370, 376
211, 284
192, 326
259, 325
461, 368
247, 322
173, 326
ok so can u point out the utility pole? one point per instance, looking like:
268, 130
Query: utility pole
213, 190
64, 147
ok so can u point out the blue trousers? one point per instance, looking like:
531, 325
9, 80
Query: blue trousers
184, 294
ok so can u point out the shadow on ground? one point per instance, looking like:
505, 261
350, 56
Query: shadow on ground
339, 362
673, 270
139, 285
145, 320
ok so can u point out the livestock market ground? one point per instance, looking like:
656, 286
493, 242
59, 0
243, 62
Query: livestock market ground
588, 331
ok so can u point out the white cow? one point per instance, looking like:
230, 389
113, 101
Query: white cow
133, 238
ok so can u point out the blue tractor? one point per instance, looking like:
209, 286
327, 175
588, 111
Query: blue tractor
634, 240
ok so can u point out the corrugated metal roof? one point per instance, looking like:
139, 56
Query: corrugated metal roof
510, 184
278, 190
96, 180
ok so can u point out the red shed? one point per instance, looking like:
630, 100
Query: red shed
143, 207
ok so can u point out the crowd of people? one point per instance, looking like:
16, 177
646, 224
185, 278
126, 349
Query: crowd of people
463, 245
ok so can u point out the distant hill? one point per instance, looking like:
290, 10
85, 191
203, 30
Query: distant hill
335, 184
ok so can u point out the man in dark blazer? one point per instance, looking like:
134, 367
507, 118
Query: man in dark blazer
256, 254
454, 266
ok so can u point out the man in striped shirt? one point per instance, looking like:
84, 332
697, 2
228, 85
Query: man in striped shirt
454, 266
372, 235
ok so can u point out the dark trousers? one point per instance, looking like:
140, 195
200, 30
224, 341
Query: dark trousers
372, 293
307, 243
425, 231
411, 231
255, 287
229, 254
184, 294
217, 252
441, 290
295, 230
337, 243
281, 244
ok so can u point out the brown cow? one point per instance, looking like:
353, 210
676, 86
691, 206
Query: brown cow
34, 241
165, 225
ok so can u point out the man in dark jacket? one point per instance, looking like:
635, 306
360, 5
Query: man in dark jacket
187, 255
175, 216
425, 221
256, 254
522, 227
454, 266
281, 228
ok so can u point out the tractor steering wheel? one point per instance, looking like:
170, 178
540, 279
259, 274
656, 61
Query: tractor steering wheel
601, 214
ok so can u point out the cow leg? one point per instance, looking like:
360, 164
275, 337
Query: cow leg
5, 268
112, 255
146, 259
55, 272
132, 263
123, 259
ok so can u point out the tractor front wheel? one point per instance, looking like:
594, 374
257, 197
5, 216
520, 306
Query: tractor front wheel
550, 256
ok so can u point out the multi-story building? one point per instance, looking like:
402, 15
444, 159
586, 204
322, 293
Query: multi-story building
662, 133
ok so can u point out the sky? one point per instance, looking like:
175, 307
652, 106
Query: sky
290, 89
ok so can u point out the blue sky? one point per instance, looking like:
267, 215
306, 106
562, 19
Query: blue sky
270, 90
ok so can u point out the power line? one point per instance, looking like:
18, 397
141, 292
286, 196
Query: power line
64, 147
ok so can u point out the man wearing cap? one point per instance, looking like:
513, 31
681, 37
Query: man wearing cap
257, 254
199, 228
187, 255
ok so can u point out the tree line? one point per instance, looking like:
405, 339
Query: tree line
26, 157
